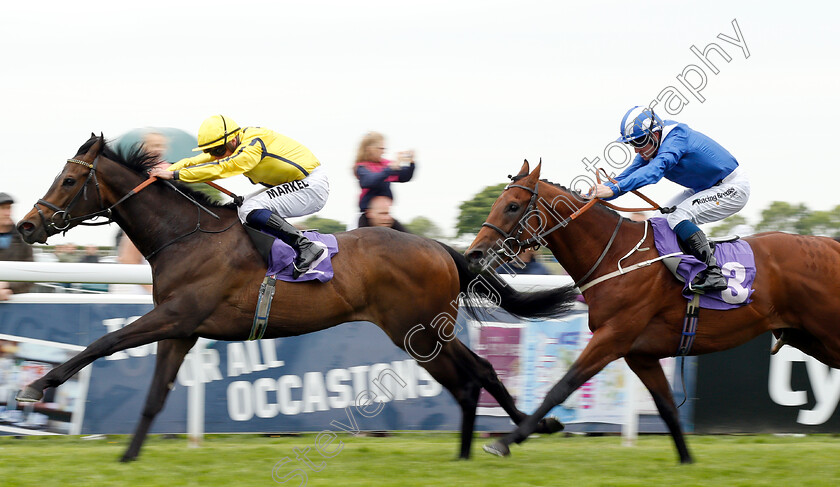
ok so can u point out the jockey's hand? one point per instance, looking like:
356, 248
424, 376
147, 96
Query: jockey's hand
600, 191
161, 173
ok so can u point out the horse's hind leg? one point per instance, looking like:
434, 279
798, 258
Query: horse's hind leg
486, 374
652, 376
825, 349
170, 356
463, 386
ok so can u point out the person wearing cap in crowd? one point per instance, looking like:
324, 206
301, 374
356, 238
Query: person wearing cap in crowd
715, 185
12, 247
297, 184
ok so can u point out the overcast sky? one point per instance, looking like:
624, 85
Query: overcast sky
474, 87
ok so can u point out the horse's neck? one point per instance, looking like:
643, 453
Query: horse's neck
578, 245
157, 215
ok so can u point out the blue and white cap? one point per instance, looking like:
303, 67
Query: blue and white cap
638, 122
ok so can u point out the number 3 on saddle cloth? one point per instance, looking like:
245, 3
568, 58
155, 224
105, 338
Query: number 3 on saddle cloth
279, 258
735, 258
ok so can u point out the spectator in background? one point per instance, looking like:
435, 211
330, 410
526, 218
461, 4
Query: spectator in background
12, 247
375, 174
378, 214
66, 253
91, 255
525, 263
155, 144
127, 253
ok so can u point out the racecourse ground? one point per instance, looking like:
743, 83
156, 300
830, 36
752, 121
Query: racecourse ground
408, 459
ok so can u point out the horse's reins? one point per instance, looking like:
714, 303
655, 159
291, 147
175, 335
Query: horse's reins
66, 220
236, 198
536, 240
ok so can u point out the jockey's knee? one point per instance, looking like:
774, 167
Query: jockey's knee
256, 218
679, 215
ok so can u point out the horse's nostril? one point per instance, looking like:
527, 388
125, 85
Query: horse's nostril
474, 255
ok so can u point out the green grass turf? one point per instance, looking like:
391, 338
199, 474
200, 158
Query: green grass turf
424, 459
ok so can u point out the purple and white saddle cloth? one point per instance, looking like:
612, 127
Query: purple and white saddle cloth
736, 261
281, 262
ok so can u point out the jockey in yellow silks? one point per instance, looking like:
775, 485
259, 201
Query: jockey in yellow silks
296, 184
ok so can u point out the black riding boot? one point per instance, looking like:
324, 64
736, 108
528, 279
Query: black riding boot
710, 279
307, 252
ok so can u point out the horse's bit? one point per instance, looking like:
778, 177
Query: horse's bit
61, 219
535, 240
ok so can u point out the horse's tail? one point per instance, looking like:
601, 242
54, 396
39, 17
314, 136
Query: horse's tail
549, 303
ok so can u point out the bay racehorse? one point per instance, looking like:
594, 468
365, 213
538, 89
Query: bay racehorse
206, 273
639, 315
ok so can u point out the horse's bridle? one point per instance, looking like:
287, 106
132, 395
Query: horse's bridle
67, 220
61, 219
519, 226
536, 240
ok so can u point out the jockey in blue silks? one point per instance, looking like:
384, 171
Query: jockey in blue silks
715, 186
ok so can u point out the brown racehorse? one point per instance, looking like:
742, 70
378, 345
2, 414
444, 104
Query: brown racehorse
206, 274
639, 315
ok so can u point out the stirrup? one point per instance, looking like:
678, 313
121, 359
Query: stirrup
305, 266
703, 282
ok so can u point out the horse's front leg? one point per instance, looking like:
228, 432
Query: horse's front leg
650, 372
170, 356
603, 348
159, 324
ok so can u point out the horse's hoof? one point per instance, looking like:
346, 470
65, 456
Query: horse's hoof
550, 425
126, 459
498, 448
29, 394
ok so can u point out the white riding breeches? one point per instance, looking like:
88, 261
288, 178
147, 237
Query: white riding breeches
710, 205
295, 198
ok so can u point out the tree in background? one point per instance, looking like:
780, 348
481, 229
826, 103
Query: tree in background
474, 211
424, 227
825, 223
782, 216
323, 225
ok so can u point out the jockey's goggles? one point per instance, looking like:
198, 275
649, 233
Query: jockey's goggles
217, 151
640, 142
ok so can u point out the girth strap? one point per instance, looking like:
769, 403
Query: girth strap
263, 308
692, 312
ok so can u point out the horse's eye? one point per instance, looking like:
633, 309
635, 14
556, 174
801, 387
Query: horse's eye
513, 207
68, 182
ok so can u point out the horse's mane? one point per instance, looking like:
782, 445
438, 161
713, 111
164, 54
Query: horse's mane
138, 160
567, 190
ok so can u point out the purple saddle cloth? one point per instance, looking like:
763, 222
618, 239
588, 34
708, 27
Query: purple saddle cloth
280, 264
736, 261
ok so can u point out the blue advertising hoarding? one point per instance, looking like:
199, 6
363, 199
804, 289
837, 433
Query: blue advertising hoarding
314, 382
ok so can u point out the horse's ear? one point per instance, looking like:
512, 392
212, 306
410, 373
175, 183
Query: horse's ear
536, 174
97, 146
525, 169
